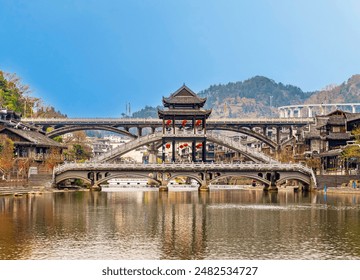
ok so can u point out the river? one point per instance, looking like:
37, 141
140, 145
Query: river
147, 224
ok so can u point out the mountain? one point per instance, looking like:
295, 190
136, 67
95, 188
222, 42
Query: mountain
147, 112
260, 96
347, 92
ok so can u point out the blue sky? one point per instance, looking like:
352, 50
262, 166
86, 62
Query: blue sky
90, 57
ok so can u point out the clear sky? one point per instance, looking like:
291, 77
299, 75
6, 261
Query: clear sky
91, 57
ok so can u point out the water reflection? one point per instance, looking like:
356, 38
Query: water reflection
222, 224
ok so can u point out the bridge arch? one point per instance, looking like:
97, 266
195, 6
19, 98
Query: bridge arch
156, 137
244, 175
125, 174
65, 177
67, 129
249, 132
184, 174
303, 179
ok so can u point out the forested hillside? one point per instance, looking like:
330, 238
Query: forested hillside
258, 96
17, 97
347, 92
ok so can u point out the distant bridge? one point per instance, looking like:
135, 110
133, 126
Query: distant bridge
269, 174
307, 110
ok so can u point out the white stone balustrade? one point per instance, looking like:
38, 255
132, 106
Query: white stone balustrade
290, 110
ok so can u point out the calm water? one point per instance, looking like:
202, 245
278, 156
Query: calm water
222, 224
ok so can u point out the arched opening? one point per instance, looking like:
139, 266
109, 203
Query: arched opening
128, 180
73, 182
251, 133
243, 180
184, 180
297, 182
67, 129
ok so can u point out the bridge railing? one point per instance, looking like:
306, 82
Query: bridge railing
222, 140
141, 121
242, 148
143, 140
176, 166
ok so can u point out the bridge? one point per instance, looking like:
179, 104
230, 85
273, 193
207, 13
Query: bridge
254, 127
183, 121
156, 137
307, 110
271, 175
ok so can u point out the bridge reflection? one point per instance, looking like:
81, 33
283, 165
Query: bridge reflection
176, 225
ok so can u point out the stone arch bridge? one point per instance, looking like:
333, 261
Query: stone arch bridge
271, 175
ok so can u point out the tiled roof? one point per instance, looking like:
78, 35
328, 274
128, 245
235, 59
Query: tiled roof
184, 95
339, 136
336, 121
331, 153
189, 112
33, 137
312, 135
352, 116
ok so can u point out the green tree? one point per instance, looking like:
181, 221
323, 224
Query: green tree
58, 139
78, 147
16, 96
79, 152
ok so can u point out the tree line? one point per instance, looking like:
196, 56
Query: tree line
16, 96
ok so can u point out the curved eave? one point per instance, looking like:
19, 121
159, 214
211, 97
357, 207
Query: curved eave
184, 112
167, 102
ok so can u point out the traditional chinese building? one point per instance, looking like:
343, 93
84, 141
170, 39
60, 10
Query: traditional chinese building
184, 126
31, 144
327, 138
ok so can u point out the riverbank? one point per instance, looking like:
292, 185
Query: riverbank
341, 190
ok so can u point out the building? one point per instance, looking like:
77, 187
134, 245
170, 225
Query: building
326, 139
32, 144
9, 115
100, 146
184, 126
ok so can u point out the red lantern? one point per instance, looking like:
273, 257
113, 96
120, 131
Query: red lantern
168, 122
183, 123
186, 144
181, 146
198, 145
198, 123
167, 146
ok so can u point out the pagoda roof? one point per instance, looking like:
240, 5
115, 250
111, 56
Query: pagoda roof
184, 113
184, 96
